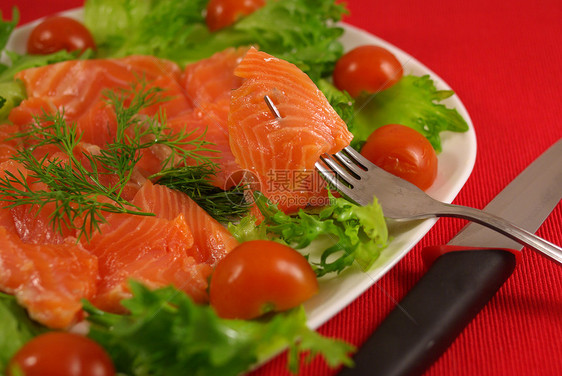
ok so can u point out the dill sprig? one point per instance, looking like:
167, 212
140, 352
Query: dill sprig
142, 132
74, 180
77, 203
223, 205
74, 187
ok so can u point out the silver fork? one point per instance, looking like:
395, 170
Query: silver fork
360, 181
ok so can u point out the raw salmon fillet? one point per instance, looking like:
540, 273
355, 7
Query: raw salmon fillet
213, 79
212, 241
77, 85
47, 273
8, 144
30, 225
49, 280
78, 88
208, 85
160, 250
281, 153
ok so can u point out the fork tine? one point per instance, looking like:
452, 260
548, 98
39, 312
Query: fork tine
354, 154
333, 180
349, 164
340, 171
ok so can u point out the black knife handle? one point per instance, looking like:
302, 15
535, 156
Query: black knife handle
428, 319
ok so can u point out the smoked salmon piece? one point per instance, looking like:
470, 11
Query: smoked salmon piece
177, 246
8, 144
147, 249
30, 224
213, 79
78, 88
208, 85
210, 122
281, 153
212, 241
48, 280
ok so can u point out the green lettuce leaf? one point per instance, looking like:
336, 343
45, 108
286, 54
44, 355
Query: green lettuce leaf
413, 102
341, 101
16, 329
167, 334
148, 27
300, 31
20, 62
347, 233
11, 94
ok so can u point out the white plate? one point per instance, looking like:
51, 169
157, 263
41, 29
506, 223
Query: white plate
455, 165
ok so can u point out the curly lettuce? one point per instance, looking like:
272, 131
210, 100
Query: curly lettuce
414, 102
351, 233
167, 334
300, 31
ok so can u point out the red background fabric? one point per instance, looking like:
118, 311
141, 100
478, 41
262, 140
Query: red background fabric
504, 61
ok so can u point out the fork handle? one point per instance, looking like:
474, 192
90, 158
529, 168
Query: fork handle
505, 227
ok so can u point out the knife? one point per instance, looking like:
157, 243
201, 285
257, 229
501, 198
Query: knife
462, 277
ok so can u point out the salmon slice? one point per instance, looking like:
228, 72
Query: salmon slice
15, 168
212, 79
78, 87
196, 100
49, 280
33, 224
208, 85
77, 84
8, 144
281, 153
177, 246
150, 250
210, 122
212, 241
30, 224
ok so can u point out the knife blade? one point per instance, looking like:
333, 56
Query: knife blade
463, 276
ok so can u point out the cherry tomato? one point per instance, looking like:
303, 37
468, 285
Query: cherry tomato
62, 354
59, 33
403, 152
223, 13
368, 69
260, 276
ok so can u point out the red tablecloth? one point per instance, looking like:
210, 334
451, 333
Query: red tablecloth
504, 60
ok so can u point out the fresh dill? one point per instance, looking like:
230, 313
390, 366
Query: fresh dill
74, 180
223, 205
136, 132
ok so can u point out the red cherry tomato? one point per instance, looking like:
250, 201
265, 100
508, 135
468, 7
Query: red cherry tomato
62, 354
367, 69
223, 13
59, 33
403, 152
260, 276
